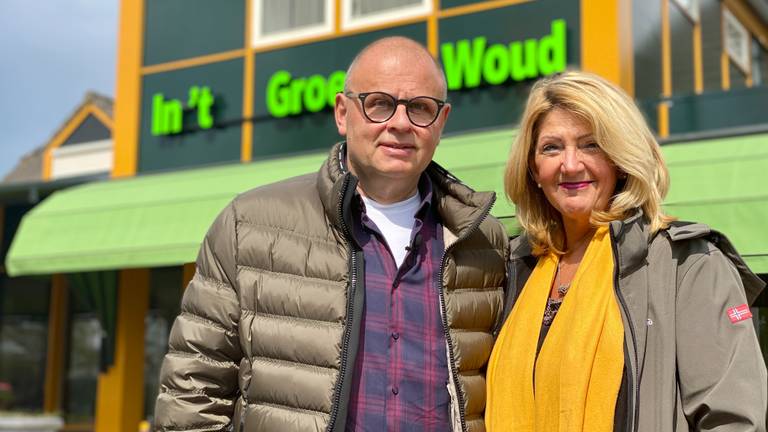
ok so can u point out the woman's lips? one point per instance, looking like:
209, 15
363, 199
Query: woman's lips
575, 185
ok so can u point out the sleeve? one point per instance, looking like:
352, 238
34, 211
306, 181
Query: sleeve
198, 378
721, 371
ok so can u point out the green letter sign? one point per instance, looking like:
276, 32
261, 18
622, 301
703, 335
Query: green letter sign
168, 115
466, 62
287, 95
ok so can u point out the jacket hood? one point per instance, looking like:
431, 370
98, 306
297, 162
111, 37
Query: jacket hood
459, 206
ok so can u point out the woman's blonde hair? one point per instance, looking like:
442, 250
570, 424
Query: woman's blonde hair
620, 131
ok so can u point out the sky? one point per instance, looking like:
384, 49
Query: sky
51, 53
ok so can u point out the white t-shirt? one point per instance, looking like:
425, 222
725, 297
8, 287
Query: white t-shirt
395, 221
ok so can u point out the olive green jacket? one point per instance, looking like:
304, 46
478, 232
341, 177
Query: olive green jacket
269, 325
687, 366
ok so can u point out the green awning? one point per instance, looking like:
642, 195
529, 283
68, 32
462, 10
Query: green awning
160, 220
724, 183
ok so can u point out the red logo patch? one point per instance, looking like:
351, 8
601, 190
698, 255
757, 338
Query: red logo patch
739, 313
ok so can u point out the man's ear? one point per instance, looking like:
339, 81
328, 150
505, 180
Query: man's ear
445, 111
340, 114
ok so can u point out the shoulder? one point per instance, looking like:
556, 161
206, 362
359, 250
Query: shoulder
495, 231
288, 206
697, 248
284, 190
297, 193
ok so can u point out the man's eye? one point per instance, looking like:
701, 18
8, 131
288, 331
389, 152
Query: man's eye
380, 103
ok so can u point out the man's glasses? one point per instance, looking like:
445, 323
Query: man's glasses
379, 107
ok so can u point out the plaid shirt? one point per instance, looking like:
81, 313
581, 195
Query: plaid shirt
401, 371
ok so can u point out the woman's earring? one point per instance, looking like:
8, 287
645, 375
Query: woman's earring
539, 185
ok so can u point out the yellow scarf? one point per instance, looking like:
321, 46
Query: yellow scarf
579, 368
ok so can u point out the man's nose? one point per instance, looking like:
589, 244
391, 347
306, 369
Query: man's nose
400, 120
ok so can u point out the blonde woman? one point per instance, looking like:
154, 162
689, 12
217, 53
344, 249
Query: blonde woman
618, 318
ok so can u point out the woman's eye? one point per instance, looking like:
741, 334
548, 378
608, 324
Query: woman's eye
592, 147
549, 148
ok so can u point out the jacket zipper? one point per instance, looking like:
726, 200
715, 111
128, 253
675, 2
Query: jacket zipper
635, 412
350, 307
444, 314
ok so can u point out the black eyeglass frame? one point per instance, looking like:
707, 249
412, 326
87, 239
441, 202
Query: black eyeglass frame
406, 102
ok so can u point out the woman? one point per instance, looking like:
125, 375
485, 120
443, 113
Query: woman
618, 317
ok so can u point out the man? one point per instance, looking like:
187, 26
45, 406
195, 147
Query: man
359, 298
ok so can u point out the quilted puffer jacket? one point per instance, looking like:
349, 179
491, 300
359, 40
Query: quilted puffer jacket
269, 325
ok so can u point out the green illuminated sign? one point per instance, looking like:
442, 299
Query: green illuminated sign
168, 114
468, 63
287, 95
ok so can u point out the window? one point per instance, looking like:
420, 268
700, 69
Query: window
359, 13
24, 306
736, 41
165, 289
690, 8
280, 20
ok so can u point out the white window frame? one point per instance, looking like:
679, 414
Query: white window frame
348, 22
690, 8
259, 40
742, 59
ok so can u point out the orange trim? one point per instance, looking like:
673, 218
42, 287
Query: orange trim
103, 117
77, 427
128, 88
479, 7
54, 359
196, 61
749, 19
433, 37
246, 131
120, 392
663, 116
725, 62
337, 17
666, 51
606, 41
68, 129
698, 71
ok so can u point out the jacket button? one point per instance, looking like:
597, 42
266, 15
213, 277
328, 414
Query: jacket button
395, 390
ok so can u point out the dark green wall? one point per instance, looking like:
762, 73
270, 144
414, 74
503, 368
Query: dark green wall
221, 143
719, 110
445, 4
180, 29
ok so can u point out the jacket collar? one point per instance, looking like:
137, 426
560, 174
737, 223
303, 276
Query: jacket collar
630, 239
459, 207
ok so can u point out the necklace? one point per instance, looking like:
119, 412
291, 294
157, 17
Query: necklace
562, 289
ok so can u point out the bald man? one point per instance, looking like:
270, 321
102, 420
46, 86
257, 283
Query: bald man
363, 297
